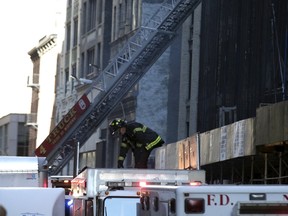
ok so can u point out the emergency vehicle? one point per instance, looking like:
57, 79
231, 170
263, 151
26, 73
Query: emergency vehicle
33, 201
117, 191
220, 200
20, 171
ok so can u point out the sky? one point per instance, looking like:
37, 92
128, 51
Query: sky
22, 27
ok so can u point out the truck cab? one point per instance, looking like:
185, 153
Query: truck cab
118, 202
107, 192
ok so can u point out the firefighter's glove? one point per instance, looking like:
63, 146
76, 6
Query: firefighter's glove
120, 164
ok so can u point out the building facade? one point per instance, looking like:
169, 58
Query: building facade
242, 62
206, 79
14, 135
46, 60
95, 32
233, 64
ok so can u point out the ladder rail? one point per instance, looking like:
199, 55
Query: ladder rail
124, 71
100, 109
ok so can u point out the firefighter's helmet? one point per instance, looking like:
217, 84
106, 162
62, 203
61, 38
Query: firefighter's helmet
117, 124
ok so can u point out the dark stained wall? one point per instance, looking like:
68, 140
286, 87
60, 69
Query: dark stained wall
242, 43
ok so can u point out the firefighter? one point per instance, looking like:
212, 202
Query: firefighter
137, 137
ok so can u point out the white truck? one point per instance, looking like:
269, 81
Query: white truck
20, 171
116, 192
208, 200
33, 201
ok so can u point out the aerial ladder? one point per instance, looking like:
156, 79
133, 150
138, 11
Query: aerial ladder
137, 56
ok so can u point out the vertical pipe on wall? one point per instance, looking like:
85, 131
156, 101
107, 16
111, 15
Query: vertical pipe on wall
285, 66
252, 170
280, 168
265, 167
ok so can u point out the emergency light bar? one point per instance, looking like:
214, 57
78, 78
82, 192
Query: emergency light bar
144, 183
195, 183
91, 181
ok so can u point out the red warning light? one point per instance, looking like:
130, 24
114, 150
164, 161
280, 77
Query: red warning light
142, 184
196, 183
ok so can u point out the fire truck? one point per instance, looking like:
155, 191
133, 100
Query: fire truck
117, 191
220, 200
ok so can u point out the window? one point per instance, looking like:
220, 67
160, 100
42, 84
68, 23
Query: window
87, 159
99, 12
66, 79
73, 73
126, 11
84, 22
22, 146
227, 115
74, 70
98, 62
3, 139
82, 65
120, 206
114, 24
75, 32
90, 59
194, 205
91, 15
68, 36
120, 16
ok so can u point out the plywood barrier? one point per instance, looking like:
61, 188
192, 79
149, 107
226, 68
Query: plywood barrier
224, 143
272, 124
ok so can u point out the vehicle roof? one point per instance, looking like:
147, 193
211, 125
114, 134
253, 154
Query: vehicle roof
224, 188
17, 164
